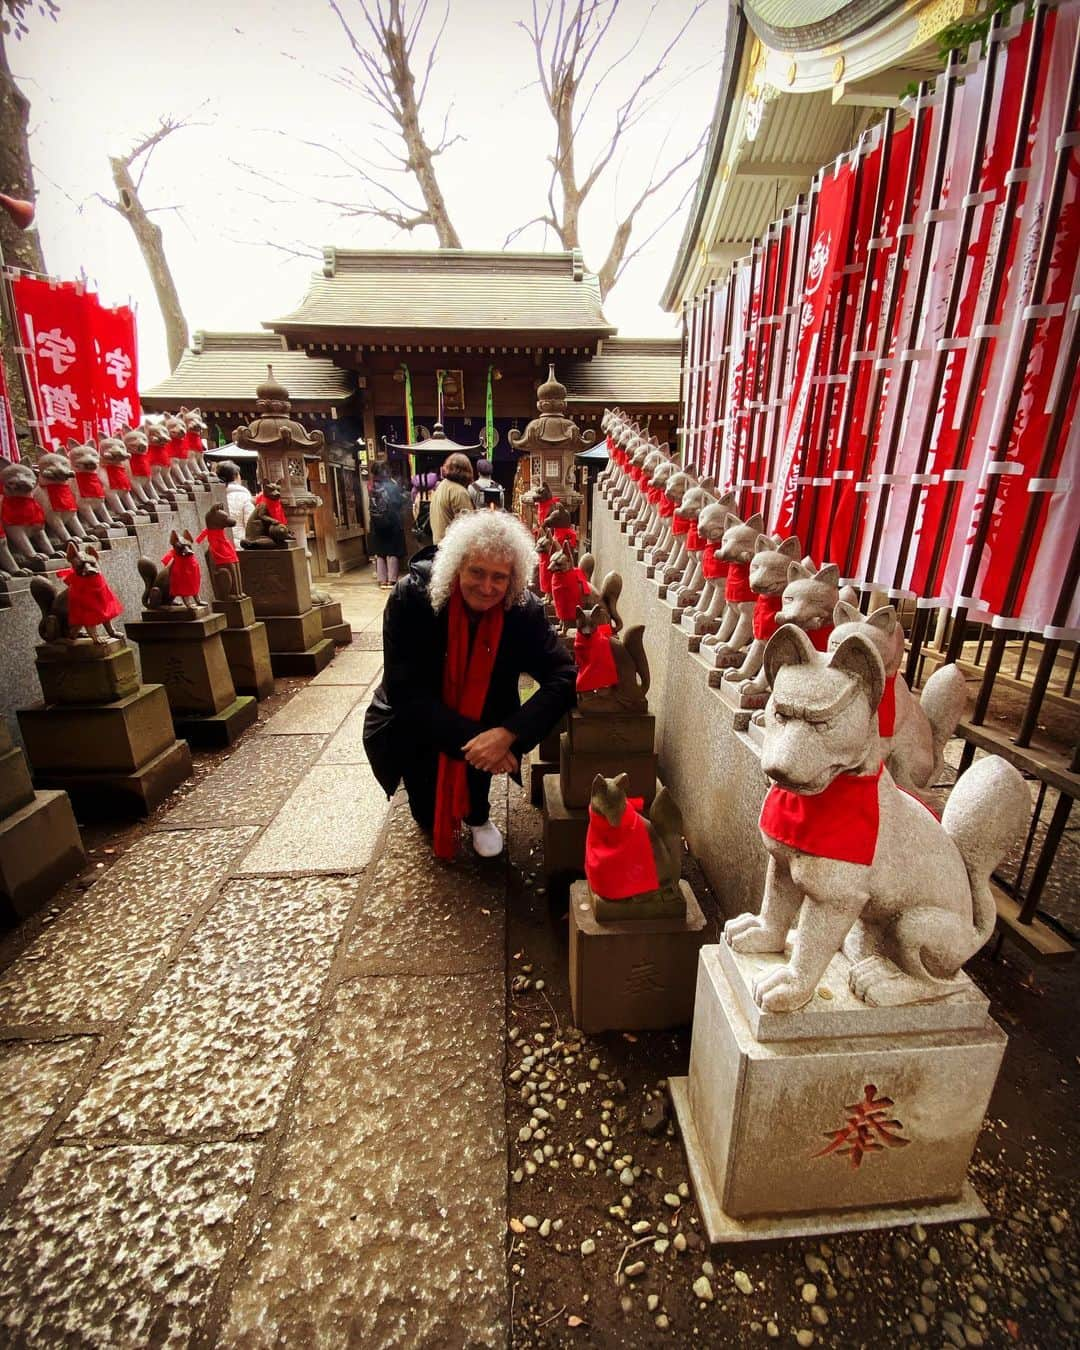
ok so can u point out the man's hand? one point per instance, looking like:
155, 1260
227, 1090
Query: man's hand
490, 751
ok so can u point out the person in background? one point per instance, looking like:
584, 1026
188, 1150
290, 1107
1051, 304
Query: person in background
386, 502
485, 491
238, 500
458, 633
451, 497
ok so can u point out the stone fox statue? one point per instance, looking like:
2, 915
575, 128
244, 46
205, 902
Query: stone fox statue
610, 590
178, 578
737, 544
82, 605
629, 856
855, 862
914, 728
613, 673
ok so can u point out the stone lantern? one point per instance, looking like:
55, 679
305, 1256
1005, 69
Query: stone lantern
551, 441
283, 447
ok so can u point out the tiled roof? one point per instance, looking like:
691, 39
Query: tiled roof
627, 371
220, 368
450, 289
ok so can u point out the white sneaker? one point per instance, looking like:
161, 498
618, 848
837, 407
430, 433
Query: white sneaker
487, 839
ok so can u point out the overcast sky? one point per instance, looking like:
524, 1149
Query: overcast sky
259, 75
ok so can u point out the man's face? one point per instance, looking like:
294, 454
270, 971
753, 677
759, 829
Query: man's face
484, 583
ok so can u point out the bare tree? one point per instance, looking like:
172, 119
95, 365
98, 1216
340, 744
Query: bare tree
148, 233
571, 40
386, 80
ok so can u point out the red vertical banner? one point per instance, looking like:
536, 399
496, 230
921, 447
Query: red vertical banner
825, 257
731, 465
117, 369
54, 320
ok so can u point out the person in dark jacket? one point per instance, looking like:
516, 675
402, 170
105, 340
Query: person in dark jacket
386, 502
458, 632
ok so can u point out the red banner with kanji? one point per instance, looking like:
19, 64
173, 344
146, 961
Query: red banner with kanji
54, 319
117, 368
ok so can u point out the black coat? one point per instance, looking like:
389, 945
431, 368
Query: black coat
387, 505
407, 715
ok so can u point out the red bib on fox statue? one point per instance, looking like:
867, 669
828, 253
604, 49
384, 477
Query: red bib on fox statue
118, 477
61, 497
694, 541
618, 858
841, 822
568, 589
91, 600
595, 663
545, 508
819, 637
222, 548
140, 463
90, 485
680, 525
766, 608
21, 511
564, 533
178, 447
159, 455
667, 507
274, 508
886, 711
184, 575
738, 584
194, 443
712, 568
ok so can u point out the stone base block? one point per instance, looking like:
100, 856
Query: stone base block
40, 849
116, 737
247, 651
340, 634
81, 672
293, 632
218, 729
316, 658
632, 974
189, 660
633, 733
564, 831
103, 796
578, 768
873, 1113
176, 613
331, 614
277, 580
549, 746
239, 611
539, 769
16, 789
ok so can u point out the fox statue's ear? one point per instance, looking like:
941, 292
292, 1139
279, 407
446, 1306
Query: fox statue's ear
763, 544
829, 574
790, 548
174, 538
756, 522
788, 646
797, 572
731, 521
885, 619
857, 656
844, 613
72, 549
622, 781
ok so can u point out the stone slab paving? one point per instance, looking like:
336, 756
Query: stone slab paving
313, 710
329, 824
90, 964
346, 746
212, 1050
387, 1217
249, 786
350, 667
120, 1246
33, 1079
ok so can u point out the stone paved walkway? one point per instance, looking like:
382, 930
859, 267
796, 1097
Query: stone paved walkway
251, 1081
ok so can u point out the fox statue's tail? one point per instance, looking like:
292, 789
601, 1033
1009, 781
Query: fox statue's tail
148, 571
609, 597
634, 642
666, 820
986, 813
943, 700
587, 563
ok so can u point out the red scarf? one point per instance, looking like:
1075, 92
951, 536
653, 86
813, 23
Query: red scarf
22, 511
654, 495
544, 572
91, 600
140, 464
839, 822
178, 447
886, 713
545, 508
694, 541
680, 525
90, 485
61, 497
567, 589
159, 454
222, 548
711, 565
564, 533
619, 858
635, 472
184, 574
194, 443
819, 637
595, 661
766, 608
118, 477
274, 508
466, 676
667, 507
738, 584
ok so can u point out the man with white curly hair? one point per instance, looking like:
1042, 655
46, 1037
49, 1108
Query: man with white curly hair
458, 633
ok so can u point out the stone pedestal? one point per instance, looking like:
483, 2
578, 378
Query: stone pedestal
278, 583
334, 626
835, 1118
632, 974
564, 831
40, 846
187, 657
247, 647
86, 672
